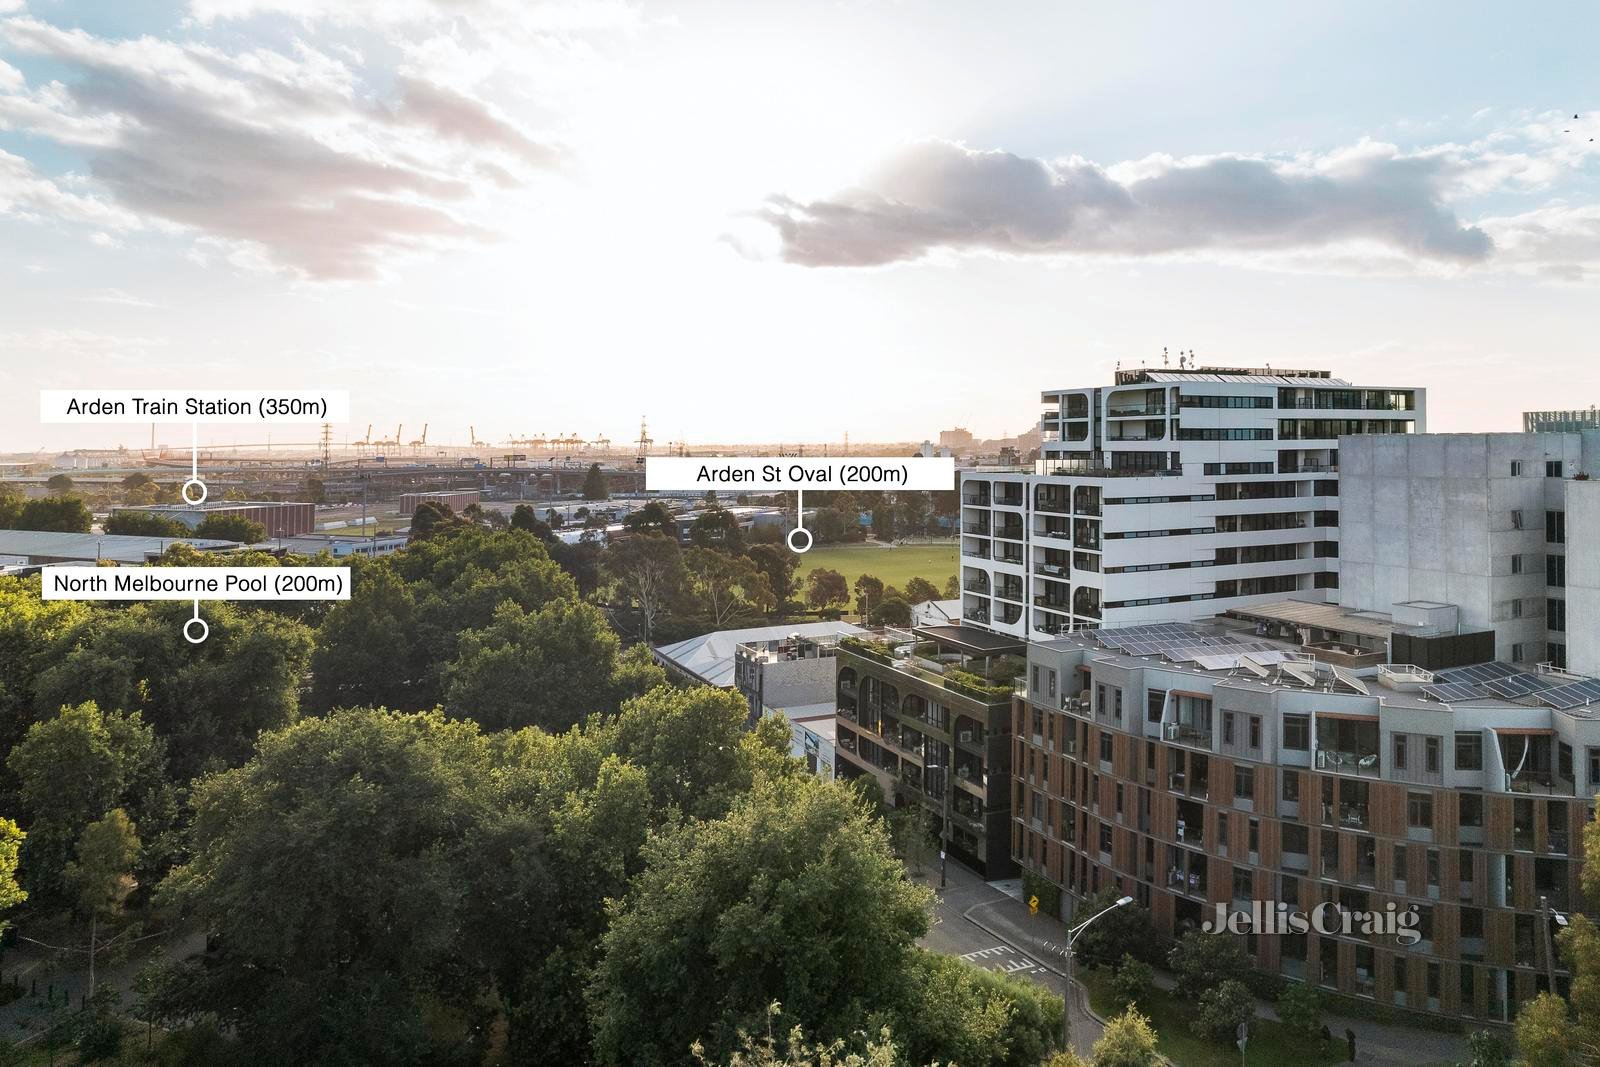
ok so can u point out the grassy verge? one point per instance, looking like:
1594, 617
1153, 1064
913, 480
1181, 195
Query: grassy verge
1270, 1041
894, 566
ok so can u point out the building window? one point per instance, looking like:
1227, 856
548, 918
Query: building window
1227, 727
1105, 746
1419, 810
1555, 615
1555, 571
1255, 731
1116, 705
1105, 838
1518, 653
1100, 699
1594, 767
1430, 754
1556, 652
1516, 608
1552, 468
1516, 519
1555, 527
1297, 732
1399, 752
1033, 675
1516, 564
1050, 681
1291, 786
1154, 701
1516, 468
1244, 783
1469, 750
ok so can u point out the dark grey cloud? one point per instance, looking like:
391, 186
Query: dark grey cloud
940, 195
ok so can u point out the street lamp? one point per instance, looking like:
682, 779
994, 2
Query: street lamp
1066, 997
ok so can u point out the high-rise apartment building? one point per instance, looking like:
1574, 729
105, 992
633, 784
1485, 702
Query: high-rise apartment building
1171, 494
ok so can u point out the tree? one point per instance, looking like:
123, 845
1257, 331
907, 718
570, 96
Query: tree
11, 892
653, 517
717, 528
1132, 981
209, 700
778, 564
956, 1012
1544, 1035
1300, 1009
830, 525
596, 486
1484, 1050
883, 523
717, 580
648, 568
55, 514
523, 517
825, 587
101, 875
919, 590
1128, 1041
1223, 1009
1202, 961
222, 526
70, 770
59, 483
952, 588
869, 592
10, 507
137, 480
333, 868
432, 517
547, 668
891, 611
364, 652
145, 524
315, 489
1118, 932
794, 897
911, 831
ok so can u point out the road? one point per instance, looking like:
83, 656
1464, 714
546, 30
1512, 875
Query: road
976, 921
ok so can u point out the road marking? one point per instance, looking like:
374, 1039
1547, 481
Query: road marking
994, 959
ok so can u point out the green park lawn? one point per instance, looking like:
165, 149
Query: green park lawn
1270, 1041
894, 566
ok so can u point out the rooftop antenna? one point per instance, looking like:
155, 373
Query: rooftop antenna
1163, 355
1182, 361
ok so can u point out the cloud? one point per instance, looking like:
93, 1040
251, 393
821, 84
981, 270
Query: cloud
1368, 206
24, 193
518, 16
941, 195
286, 155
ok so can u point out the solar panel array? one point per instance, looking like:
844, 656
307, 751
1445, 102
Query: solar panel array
1478, 672
1180, 642
1571, 695
1519, 685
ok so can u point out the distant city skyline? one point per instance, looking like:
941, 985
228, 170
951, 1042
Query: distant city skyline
786, 222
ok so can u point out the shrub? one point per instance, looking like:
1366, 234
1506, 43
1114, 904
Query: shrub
1204, 961
1049, 894
1222, 1008
1131, 981
1128, 1041
1300, 1008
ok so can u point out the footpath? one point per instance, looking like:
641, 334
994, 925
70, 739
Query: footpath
1005, 917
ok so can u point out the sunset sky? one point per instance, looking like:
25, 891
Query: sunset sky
787, 221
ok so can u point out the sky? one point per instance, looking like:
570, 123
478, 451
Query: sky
787, 221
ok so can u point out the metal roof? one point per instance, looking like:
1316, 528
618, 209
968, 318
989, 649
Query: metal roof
709, 657
1322, 616
116, 548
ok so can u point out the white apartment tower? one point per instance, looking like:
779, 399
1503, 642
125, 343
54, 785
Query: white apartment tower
1170, 495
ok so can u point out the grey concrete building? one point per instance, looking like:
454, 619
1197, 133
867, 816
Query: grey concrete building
1472, 520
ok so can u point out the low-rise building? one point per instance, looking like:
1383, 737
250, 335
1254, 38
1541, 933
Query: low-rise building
457, 500
31, 549
282, 518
